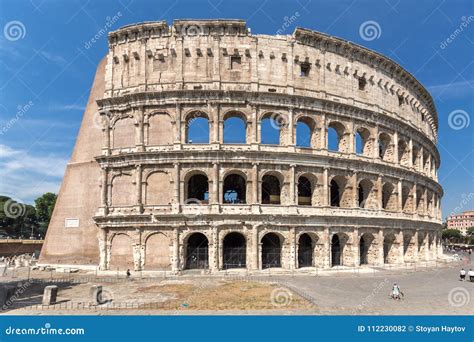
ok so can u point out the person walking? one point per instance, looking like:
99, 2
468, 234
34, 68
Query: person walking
396, 292
462, 274
128, 273
471, 275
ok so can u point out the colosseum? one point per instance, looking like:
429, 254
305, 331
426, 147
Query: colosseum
204, 146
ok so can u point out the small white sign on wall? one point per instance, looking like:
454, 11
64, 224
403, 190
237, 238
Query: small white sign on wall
71, 223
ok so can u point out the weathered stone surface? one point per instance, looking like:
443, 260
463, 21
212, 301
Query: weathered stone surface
50, 294
135, 168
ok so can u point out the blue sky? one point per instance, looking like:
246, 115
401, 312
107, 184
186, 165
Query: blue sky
46, 70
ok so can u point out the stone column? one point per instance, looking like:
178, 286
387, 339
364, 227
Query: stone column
178, 135
395, 148
399, 196
255, 125
415, 243
410, 154
175, 258
323, 132
379, 192
107, 132
415, 199
214, 262
140, 143
355, 246
138, 179
352, 148
421, 161
215, 117
327, 248
290, 139
376, 143
293, 200
103, 249
176, 182
380, 239
215, 184
326, 201
255, 197
254, 255
292, 257
105, 173
355, 191
400, 247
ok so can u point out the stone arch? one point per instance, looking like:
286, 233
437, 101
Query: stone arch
403, 152
366, 195
159, 129
305, 188
339, 194
338, 249
271, 188
276, 121
409, 246
234, 188
363, 142
196, 251
123, 190
306, 132
234, 120
390, 249
306, 246
368, 251
407, 199
234, 250
272, 245
385, 147
123, 132
158, 189
341, 136
389, 197
196, 187
197, 127
157, 252
121, 252
416, 157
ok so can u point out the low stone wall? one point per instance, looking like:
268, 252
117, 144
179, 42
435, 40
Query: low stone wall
17, 247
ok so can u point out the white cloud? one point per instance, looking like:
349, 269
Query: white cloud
453, 89
25, 176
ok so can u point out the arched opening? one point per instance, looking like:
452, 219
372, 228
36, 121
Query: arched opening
335, 136
305, 251
388, 199
197, 129
388, 243
235, 129
121, 253
416, 157
337, 187
407, 203
364, 189
271, 251
234, 251
403, 152
235, 189
303, 134
197, 252
336, 251
364, 247
272, 129
385, 147
271, 190
305, 191
362, 140
407, 238
333, 140
198, 189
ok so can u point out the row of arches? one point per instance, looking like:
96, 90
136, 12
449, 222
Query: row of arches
273, 130
308, 250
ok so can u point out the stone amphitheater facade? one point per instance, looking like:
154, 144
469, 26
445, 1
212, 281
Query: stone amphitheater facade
139, 194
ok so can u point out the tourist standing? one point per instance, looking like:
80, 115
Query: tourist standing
462, 274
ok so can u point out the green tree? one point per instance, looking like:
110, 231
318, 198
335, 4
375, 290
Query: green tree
470, 231
452, 235
44, 209
16, 218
